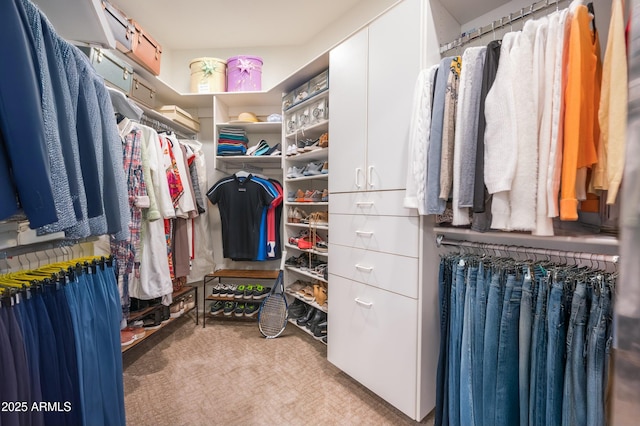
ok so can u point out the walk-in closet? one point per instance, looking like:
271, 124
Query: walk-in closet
348, 212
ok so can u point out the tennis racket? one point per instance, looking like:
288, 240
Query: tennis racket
272, 318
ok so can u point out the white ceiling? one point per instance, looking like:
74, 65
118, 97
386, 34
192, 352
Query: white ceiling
211, 24
201, 24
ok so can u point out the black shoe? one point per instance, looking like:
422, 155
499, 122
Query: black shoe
229, 308
217, 307
303, 321
320, 329
297, 309
166, 313
317, 318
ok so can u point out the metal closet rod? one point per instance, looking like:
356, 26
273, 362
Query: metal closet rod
159, 126
440, 241
499, 23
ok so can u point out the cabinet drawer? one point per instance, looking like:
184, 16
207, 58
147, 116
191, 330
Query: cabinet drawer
374, 340
391, 272
388, 234
383, 203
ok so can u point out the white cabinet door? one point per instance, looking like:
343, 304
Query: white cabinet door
373, 339
348, 125
394, 64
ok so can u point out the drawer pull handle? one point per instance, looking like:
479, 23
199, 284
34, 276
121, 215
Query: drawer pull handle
367, 305
364, 204
364, 233
364, 268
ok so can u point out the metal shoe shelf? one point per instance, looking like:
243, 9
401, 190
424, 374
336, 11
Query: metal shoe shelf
238, 274
177, 295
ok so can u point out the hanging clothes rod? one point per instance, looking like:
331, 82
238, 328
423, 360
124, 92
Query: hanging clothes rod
441, 240
499, 23
159, 126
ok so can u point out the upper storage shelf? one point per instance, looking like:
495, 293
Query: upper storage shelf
79, 21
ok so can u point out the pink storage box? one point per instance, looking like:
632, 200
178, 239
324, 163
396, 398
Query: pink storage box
244, 74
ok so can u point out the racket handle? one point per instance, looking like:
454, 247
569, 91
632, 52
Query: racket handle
367, 305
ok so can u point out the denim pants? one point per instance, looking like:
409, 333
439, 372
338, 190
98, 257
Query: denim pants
480, 313
538, 377
455, 340
524, 363
556, 333
574, 401
490, 355
468, 411
444, 293
597, 350
507, 384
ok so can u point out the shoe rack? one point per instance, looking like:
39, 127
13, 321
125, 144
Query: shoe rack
305, 150
185, 300
229, 275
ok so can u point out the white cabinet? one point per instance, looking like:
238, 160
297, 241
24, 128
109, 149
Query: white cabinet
373, 339
348, 82
372, 78
381, 331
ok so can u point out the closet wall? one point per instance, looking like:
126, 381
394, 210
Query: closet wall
280, 61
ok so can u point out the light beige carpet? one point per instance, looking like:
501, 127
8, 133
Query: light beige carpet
229, 374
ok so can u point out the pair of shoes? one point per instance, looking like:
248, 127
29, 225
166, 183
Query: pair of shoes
302, 321
176, 309
229, 308
261, 148
320, 330
227, 290
217, 307
308, 196
297, 309
297, 216
291, 150
274, 150
320, 293
303, 233
319, 218
317, 318
294, 172
309, 242
313, 168
259, 292
306, 293
251, 309
190, 303
324, 140
307, 145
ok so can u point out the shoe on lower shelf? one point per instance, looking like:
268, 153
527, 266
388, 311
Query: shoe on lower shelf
190, 303
126, 337
176, 309
239, 310
217, 307
251, 309
229, 308
297, 309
